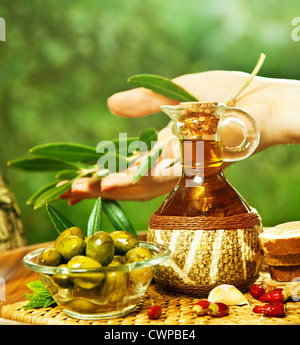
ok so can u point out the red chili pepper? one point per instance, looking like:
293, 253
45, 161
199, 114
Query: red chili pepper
218, 309
270, 309
257, 290
154, 312
272, 296
200, 308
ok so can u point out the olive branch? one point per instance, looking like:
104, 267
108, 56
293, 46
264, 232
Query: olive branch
70, 161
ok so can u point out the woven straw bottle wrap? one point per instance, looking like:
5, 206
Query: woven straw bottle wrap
207, 251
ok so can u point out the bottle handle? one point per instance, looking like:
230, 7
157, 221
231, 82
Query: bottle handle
251, 135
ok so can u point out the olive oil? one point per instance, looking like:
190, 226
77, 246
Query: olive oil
203, 189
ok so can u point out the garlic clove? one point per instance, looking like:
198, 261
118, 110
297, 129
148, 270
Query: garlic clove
227, 294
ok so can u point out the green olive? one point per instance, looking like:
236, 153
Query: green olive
141, 276
115, 284
100, 247
62, 280
118, 260
85, 280
138, 254
123, 241
50, 257
73, 231
92, 294
80, 306
71, 246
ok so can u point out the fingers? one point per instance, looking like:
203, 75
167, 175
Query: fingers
86, 187
117, 188
206, 86
210, 86
138, 192
120, 186
82, 188
117, 181
137, 102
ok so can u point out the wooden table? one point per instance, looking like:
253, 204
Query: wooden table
15, 276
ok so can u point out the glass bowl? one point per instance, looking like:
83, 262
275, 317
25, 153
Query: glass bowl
118, 294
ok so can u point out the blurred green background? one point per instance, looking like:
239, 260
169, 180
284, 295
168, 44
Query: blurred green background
62, 59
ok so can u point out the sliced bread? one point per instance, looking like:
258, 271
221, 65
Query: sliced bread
282, 260
284, 273
283, 239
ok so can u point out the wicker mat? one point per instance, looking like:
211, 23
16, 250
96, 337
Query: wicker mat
176, 310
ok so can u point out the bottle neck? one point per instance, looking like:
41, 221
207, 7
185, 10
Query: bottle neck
200, 159
210, 193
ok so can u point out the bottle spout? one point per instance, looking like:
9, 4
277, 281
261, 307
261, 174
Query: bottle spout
184, 109
172, 111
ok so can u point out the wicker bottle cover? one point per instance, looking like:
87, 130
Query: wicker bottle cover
211, 230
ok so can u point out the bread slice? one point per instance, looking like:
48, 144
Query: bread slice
282, 260
284, 273
283, 239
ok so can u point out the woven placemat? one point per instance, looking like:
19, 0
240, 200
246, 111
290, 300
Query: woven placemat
176, 310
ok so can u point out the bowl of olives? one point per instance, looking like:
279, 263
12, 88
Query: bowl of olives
104, 275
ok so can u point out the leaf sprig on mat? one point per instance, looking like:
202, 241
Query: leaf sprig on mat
40, 298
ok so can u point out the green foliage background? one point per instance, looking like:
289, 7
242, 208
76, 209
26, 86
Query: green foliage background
63, 59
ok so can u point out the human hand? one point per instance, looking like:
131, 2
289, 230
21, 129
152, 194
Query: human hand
269, 101
160, 181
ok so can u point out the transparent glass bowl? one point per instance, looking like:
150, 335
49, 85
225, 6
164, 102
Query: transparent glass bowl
119, 293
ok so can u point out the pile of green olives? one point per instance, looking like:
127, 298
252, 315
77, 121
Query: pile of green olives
73, 250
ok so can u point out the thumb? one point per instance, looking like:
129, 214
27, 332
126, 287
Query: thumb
137, 102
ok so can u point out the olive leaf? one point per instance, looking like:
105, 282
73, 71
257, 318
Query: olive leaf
67, 152
52, 194
148, 136
120, 144
117, 216
34, 197
163, 86
59, 221
95, 219
40, 296
40, 164
146, 164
